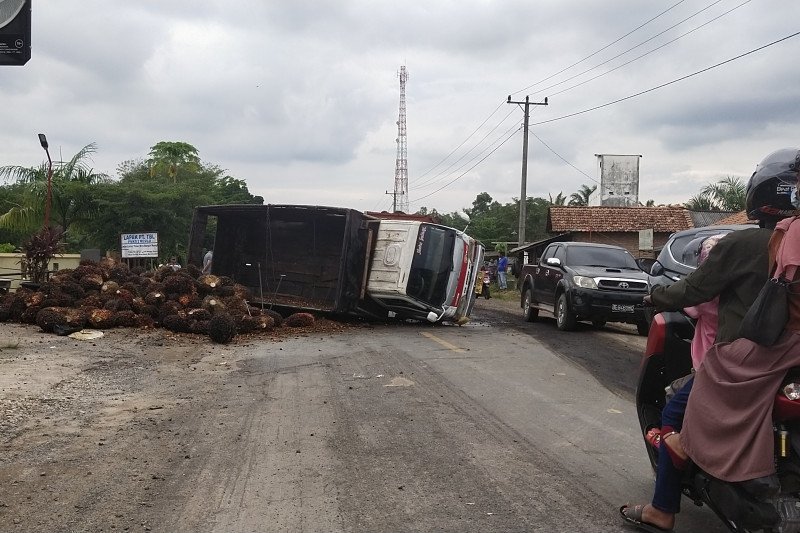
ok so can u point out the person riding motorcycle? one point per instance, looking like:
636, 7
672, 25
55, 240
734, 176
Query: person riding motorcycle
735, 270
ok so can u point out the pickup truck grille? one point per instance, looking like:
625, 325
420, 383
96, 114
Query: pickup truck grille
616, 284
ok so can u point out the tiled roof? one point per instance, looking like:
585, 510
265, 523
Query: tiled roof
599, 218
708, 218
736, 218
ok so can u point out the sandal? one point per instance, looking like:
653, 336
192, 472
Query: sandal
678, 461
633, 516
653, 437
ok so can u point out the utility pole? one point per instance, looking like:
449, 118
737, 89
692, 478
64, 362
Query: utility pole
394, 200
523, 186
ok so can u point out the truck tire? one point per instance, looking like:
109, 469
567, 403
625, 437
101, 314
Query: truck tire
643, 328
565, 318
529, 311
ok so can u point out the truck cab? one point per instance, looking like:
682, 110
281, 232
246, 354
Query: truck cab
424, 271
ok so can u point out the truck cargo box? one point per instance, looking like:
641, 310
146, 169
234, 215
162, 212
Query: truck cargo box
301, 257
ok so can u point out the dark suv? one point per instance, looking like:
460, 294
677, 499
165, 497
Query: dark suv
584, 281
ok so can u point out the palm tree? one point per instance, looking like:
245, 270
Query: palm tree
560, 199
700, 202
581, 198
72, 186
728, 194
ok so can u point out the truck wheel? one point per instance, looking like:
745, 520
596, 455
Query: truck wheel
529, 311
565, 318
643, 328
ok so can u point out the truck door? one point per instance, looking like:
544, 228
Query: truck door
543, 285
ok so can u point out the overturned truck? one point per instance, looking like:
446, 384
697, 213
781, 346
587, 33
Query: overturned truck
341, 261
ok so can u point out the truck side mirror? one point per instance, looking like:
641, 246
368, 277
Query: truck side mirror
553, 261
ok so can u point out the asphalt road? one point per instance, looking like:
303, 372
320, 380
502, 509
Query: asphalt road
496, 426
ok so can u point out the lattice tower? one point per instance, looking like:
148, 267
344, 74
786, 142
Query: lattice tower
401, 166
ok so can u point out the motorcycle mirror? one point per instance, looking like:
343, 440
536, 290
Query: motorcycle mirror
656, 269
645, 264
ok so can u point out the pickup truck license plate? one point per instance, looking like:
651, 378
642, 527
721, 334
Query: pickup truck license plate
617, 308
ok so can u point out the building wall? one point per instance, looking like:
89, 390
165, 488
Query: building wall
11, 266
628, 240
619, 180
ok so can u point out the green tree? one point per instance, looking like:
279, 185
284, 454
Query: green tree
73, 186
481, 205
560, 199
701, 202
727, 194
142, 201
171, 158
581, 197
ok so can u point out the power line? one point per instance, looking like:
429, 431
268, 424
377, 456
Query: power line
430, 182
641, 44
434, 179
607, 104
645, 54
462, 142
601, 49
473, 166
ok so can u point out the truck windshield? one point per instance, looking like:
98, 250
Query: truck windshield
600, 257
431, 265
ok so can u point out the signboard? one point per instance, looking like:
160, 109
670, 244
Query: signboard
15, 32
646, 240
139, 245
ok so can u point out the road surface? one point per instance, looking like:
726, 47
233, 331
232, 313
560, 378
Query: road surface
498, 425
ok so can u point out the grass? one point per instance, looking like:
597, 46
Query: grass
507, 295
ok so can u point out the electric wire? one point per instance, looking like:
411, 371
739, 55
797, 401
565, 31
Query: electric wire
682, 78
462, 143
434, 179
629, 97
438, 177
601, 49
473, 166
637, 46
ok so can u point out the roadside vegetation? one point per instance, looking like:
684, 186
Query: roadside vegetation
92, 209
159, 193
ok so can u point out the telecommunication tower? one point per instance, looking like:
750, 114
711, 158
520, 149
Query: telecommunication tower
401, 167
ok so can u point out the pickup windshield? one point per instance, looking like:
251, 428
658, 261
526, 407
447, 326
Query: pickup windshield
431, 265
600, 257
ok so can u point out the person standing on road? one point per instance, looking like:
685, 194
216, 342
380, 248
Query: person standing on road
502, 264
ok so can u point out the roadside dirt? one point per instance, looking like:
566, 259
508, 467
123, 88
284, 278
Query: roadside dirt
334, 428
93, 434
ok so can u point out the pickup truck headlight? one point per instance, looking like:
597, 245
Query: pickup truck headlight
585, 282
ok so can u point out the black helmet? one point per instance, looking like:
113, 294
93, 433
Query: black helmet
769, 191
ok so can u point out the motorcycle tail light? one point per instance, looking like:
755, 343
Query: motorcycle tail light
792, 391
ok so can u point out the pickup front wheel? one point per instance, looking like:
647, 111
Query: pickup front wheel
529, 311
565, 318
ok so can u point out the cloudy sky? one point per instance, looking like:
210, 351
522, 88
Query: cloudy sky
300, 98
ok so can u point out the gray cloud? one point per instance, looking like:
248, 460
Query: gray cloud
300, 98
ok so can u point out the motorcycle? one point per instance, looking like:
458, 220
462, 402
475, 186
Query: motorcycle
482, 288
769, 504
